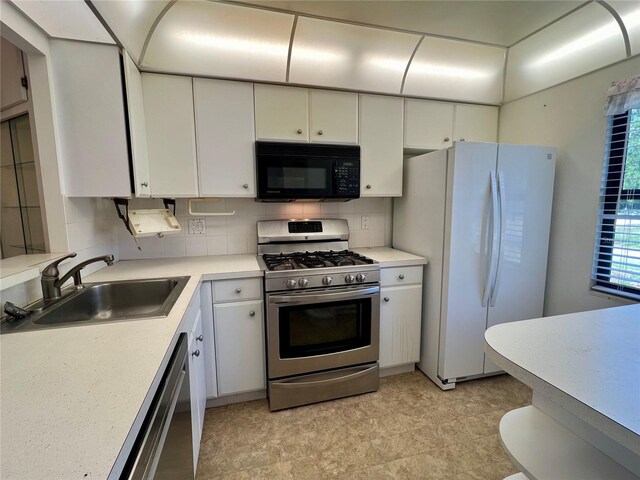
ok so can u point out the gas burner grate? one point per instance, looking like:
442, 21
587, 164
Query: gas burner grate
304, 260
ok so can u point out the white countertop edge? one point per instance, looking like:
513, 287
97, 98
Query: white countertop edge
20, 276
404, 263
612, 429
388, 257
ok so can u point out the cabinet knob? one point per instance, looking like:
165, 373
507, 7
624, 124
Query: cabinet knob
238, 291
368, 187
196, 353
299, 131
446, 139
401, 276
246, 185
462, 139
144, 184
386, 299
199, 338
252, 313
319, 132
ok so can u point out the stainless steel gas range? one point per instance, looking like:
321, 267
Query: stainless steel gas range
322, 312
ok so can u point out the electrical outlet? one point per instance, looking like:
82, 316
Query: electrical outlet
197, 226
364, 222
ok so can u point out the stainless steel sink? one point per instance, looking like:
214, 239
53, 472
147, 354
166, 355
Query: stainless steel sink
102, 303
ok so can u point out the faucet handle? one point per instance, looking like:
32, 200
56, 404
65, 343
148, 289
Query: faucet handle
51, 270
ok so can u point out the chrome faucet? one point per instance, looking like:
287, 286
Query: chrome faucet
51, 284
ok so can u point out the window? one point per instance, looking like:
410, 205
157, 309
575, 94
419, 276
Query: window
617, 256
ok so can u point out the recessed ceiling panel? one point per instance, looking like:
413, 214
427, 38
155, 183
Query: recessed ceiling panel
456, 70
70, 19
131, 20
220, 40
584, 41
340, 55
630, 14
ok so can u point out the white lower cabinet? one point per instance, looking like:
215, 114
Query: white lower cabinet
400, 320
197, 382
239, 346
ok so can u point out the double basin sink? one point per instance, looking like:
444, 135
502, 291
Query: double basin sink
102, 303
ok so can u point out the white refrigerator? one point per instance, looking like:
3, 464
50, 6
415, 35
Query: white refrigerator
480, 213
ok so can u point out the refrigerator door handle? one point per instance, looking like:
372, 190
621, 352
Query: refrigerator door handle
493, 260
502, 201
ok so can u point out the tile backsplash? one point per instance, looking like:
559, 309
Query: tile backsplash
237, 234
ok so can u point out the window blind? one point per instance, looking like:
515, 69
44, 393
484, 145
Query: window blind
616, 267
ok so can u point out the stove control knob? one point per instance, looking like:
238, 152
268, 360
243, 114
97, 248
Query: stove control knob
303, 282
361, 277
291, 283
349, 278
327, 280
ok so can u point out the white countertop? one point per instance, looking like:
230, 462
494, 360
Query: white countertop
588, 363
390, 257
70, 396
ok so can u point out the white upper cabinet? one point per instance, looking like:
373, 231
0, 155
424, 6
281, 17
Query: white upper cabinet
225, 137
171, 141
137, 127
475, 123
381, 138
436, 125
282, 113
13, 92
333, 117
428, 125
92, 131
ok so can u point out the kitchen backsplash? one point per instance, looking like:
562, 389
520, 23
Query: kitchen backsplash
237, 234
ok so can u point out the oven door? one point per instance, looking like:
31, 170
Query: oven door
310, 331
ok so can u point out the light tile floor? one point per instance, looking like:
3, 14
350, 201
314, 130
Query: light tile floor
409, 429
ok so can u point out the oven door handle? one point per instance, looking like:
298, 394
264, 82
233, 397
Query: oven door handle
297, 299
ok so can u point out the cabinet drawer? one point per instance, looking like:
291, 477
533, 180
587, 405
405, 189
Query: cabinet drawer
400, 276
236, 290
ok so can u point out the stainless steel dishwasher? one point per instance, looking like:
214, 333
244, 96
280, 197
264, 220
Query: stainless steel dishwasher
164, 448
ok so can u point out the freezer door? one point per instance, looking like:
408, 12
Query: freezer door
467, 258
526, 175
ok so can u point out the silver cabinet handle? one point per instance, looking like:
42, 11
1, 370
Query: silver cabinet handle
319, 132
401, 276
446, 139
368, 187
299, 131
199, 338
386, 299
246, 185
196, 353
238, 290
252, 314
144, 184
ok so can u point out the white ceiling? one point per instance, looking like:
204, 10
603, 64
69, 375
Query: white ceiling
498, 22
65, 19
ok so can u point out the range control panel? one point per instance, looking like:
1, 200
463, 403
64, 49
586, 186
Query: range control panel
305, 227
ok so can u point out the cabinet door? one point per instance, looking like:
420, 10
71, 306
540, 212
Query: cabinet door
400, 324
197, 383
282, 113
381, 135
171, 137
239, 341
225, 137
333, 117
137, 127
91, 119
475, 123
13, 92
428, 125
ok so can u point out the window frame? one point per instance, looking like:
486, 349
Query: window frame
614, 192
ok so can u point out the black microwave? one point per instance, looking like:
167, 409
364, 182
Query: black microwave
307, 171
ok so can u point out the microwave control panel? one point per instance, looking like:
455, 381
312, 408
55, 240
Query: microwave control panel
348, 177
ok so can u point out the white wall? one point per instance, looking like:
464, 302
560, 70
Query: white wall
570, 117
237, 234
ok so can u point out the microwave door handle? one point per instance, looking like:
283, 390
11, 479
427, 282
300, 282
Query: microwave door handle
296, 299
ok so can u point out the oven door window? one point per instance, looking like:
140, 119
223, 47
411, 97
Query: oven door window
324, 328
